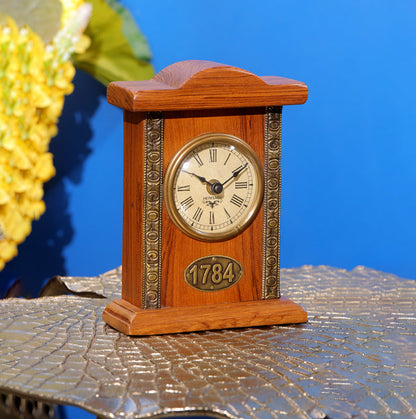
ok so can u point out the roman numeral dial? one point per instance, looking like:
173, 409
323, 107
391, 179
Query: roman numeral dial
213, 187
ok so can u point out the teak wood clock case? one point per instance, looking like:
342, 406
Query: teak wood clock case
201, 210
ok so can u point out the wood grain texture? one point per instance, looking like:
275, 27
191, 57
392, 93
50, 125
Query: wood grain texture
205, 85
131, 320
133, 207
179, 250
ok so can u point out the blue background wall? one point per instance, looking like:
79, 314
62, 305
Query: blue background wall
348, 157
348, 153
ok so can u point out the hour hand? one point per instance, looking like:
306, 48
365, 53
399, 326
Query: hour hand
236, 172
201, 178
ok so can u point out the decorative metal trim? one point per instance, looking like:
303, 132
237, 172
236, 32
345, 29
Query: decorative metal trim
14, 406
152, 209
271, 220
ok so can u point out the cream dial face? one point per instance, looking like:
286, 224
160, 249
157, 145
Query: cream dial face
214, 187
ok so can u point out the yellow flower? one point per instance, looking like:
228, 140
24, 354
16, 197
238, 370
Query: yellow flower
44, 169
8, 250
69, 8
4, 196
34, 79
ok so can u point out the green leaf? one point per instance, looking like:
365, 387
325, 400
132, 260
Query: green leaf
111, 56
42, 16
132, 32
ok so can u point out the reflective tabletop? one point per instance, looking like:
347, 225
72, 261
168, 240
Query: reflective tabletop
355, 357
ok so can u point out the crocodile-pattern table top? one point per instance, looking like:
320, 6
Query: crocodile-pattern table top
356, 356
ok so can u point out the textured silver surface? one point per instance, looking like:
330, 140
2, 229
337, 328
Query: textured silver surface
356, 357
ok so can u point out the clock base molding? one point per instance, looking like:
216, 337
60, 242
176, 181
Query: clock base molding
132, 320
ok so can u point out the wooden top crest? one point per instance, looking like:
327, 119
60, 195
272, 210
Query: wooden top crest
205, 85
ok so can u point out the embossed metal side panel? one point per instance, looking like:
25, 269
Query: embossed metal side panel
271, 222
356, 357
152, 210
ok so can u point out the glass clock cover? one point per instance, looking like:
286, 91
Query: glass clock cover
214, 187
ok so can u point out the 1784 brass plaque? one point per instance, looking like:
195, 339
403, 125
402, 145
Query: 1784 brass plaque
213, 273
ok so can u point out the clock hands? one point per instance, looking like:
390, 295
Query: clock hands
217, 187
236, 172
201, 178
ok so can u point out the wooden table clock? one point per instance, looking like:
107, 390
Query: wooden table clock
202, 200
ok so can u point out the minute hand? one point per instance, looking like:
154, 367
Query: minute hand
236, 172
201, 178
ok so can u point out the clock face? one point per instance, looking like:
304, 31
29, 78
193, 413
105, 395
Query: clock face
214, 187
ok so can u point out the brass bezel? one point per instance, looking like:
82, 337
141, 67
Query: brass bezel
175, 164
